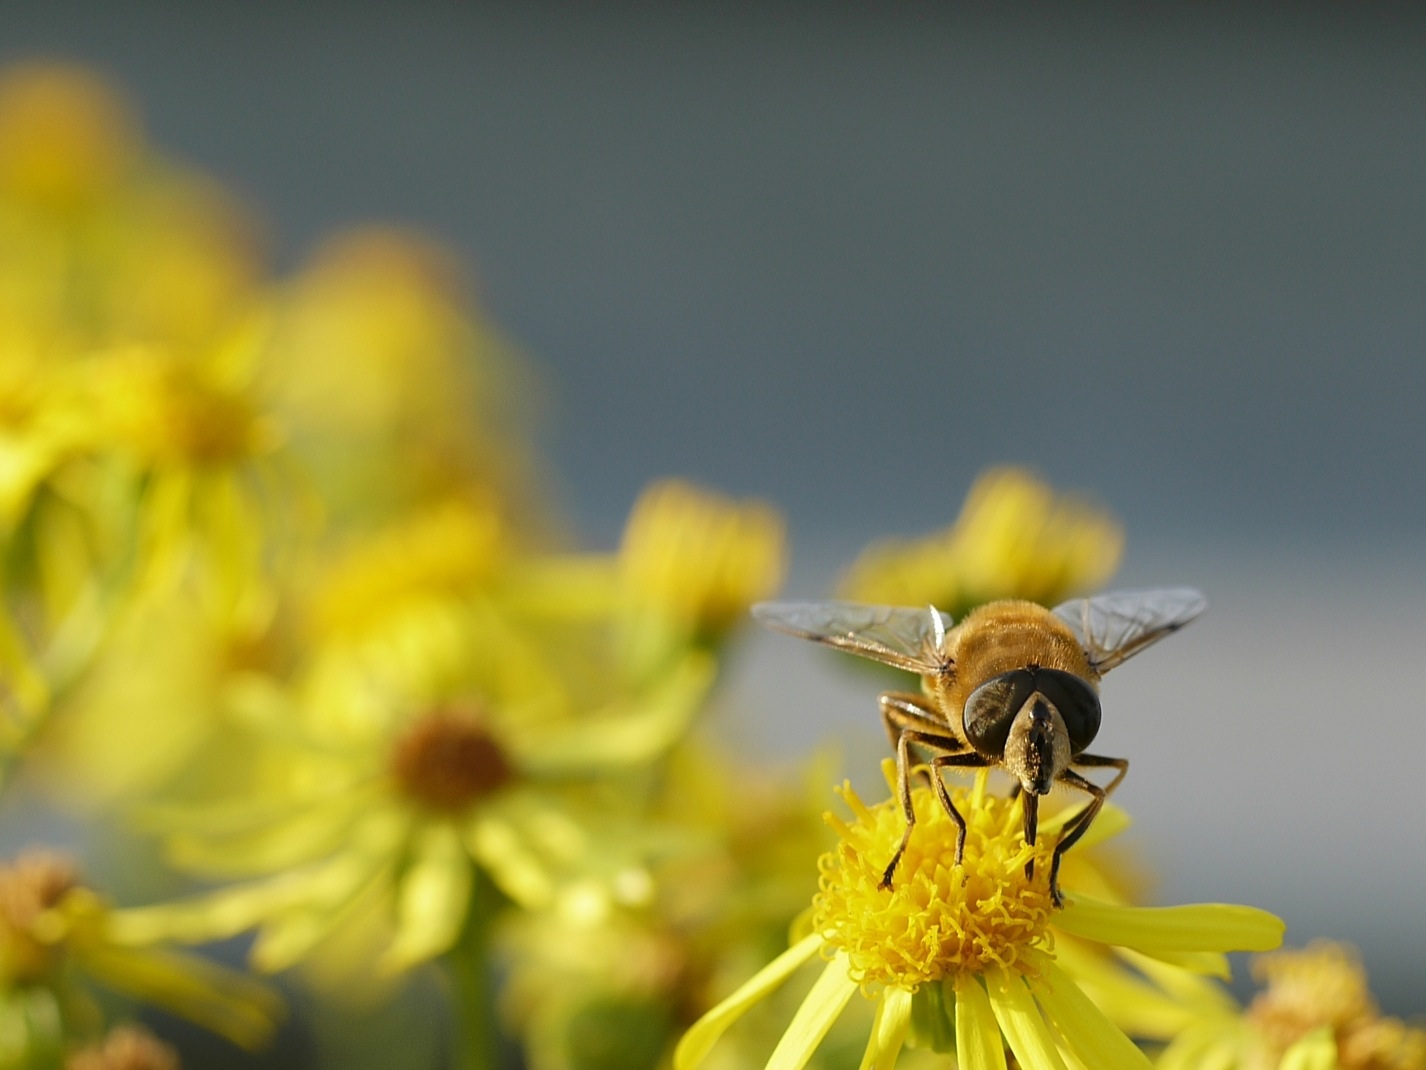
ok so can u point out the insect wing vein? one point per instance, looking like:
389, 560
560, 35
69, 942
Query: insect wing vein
1114, 627
893, 635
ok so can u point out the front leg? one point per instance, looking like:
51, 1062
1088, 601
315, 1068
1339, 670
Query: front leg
1099, 761
964, 760
1079, 825
930, 740
901, 710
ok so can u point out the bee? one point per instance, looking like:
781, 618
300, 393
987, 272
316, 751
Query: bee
1013, 685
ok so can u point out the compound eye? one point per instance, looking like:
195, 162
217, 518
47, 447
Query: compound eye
991, 710
1077, 702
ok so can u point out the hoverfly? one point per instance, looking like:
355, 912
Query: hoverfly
1013, 685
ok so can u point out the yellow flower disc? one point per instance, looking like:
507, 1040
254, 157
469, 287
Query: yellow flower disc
937, 919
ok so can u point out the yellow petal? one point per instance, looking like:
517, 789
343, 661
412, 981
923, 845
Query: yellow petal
564, 588
503, 852
1096, 1040
432, 898
1199, 1050
211, 917
700, 1038
888, 1029
1206, 963
1020, 1021
292, 934
280, 845
1196, 927
1316, 1051
231, 1004
1136, 1006
978, 1044
229, 911
1203, 997
819, 1010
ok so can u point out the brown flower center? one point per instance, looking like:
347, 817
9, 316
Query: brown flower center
447, 760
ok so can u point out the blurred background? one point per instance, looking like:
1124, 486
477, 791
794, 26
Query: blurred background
1171, 255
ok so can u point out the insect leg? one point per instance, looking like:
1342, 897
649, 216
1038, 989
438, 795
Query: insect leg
1078, 827
901, 710
1100, 762
907, 721
964, 760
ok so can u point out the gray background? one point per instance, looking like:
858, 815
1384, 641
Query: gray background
1169, 254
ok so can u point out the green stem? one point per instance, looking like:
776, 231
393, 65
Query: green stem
475, 1040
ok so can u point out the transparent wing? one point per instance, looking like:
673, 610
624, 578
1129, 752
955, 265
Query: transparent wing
894, 635
1114, 627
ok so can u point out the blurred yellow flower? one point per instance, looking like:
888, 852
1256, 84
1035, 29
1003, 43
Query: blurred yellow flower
445, 749
965, 956
172, 674
187, 438
1315, 1013
169, 411
40, 420
615, 987
174, 262
698, 560
1015, 538
689, 565
443, 552
101, 241
398, 390
53, 928
66, 136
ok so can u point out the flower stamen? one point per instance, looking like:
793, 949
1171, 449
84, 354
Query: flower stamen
938, 919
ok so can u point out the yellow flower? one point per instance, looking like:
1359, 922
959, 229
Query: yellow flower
698, 559
689, 565
193, 464
169, 411
403, 773
39, 420
174, 261
589, 988
173, 675
52, 928
101, 242
397, 389
1015, 538
65, 136
970, 956
440, 553
1316, 1013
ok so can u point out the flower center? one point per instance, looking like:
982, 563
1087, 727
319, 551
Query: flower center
937, 919
447, 760
168, 413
